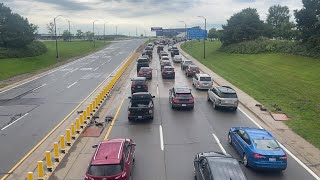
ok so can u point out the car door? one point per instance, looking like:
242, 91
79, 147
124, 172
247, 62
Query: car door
194, 80
211, 94
237, 140
171, 91
202, 169
242, 141
127, 158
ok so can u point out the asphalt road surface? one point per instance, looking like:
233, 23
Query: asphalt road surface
28, 112
167, 145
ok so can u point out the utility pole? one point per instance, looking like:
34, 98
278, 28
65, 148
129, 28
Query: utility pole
94, 42
69, 30
204, 38
136, 32
55, 34
185, 29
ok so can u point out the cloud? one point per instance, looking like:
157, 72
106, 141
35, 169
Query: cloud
67, 4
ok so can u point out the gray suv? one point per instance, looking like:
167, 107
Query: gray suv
223, 96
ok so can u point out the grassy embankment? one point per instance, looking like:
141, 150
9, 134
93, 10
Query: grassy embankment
289, 82
16, 66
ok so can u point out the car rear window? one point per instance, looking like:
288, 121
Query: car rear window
188, 62
169, 68
205, 78
165, 58
228, 95
184, 95
141, 97
266, 144
138, 82
142, 60
105, 170
145, 69
194, 68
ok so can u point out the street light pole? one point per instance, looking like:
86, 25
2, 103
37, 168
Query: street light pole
69, 30
104, 31
94, 42
55, 34
185, 29
204, 38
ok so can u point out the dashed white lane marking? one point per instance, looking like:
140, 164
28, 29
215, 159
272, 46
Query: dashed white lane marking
282, 146
157, 89
72, 85
96, 68
161, 138
14, 122
220, 145
39, 87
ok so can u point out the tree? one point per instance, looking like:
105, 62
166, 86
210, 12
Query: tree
50, 28
243, 26
279, 20
308, 19
15, 31
66, 35
88, 35
212, 33
79, 34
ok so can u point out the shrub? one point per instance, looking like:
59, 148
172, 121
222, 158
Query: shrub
35, 48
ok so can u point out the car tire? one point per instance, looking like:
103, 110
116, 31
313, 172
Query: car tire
245, 160
214, 105
208, 98
172, 107
229, 139
151, 117
235, 108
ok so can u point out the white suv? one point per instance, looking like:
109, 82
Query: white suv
202, 81
223, 96
177, 58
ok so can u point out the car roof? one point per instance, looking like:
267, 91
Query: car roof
226, 89
140, 93
187, 60
138, 79
203, 75
108, 152
145, 68
256, 133
167, 67
192, 65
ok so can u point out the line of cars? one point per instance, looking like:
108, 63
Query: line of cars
258, 149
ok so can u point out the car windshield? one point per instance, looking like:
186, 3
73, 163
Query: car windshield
105, 170
228, 95
266, 144
205, 78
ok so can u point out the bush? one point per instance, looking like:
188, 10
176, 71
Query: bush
35, 48
262, 45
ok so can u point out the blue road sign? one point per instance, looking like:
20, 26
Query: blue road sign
195, 33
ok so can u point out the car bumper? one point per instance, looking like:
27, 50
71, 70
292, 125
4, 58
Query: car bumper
268, 166
168, 75
139, 90
204, 86
228, 105
177, 60
182, 105
142, 117
146, 76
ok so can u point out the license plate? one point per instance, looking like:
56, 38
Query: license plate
139, 86
139, 117
272, 159
184, 105
169, 72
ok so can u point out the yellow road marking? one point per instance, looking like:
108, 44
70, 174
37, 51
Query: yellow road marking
113, 120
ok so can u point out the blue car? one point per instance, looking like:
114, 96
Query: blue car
258, 148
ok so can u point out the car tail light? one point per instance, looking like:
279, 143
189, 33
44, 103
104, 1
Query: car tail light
150, 111
175, 100
121, 176
88, 178
191, 101
258, 156
283, 157
140, 73
146, 87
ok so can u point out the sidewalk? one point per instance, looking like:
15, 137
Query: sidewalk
303, 150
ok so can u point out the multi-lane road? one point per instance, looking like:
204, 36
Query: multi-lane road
167, 145
29, 111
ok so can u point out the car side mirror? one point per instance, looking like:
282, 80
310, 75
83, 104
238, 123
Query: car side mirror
129, 97
95, 146
240, 161
153, 96
133, 144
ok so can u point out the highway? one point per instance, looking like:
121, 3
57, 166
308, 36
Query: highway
167, 145
29, 111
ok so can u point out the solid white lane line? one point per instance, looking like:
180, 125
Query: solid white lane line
96, 68
157, 89
284, 148
161, 138
72, 85
39, 87
220, 145
14, 122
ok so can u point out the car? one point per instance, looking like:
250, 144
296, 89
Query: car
258, 148
163, 53
223, 96
177, 58
174, 52
164, 63
165, 58
147, 57
185, 63
142, 62
150, 45
192, 70
216, 165
145, 72
139, 84
168, 72
159, 49
112, 160
202, 81
181, 97
141, 106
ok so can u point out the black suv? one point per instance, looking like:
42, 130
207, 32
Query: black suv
142, 62
139, 84
181, 97
216, 165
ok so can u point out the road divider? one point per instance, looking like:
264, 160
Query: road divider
72, 133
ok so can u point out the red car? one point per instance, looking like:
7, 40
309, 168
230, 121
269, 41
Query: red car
112, 160
145, 72
168, 72
192, 70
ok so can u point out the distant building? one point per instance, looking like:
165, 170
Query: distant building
192, 33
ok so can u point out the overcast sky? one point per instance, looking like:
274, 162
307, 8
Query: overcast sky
143, 14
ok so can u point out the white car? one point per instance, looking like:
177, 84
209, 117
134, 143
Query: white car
177, 58
202, 81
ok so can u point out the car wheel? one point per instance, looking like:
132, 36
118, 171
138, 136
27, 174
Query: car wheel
208, 98
214, 105
235, 109
172, 107
229, 139
245, 160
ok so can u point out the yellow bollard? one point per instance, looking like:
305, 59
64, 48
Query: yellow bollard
56, 152
40, 170
91, 109
77, 125
85, 117
30, 176
49, 161
62, 144
68, 136
88, 111
94, 105
73, 131
81, 121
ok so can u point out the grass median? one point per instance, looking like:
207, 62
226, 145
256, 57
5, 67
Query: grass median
16, 66
288, 82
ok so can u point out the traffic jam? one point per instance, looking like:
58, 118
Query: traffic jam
257, 148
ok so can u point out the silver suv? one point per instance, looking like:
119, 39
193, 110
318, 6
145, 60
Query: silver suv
223, 96
202, 81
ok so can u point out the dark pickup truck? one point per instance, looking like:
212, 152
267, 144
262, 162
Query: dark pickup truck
141, 106
142, 62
